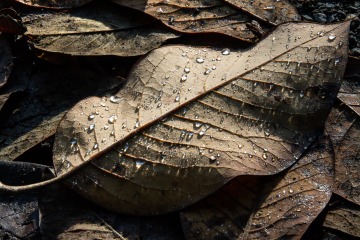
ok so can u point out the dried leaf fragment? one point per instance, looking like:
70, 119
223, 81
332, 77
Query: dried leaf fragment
57, 4
276, 207
201, 16
98, 29
189, 119
343, 126
10, 22
345, 218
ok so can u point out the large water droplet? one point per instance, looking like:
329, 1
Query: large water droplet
269, 8
115, 99
186, 70
183, 78
208, 71
200, 60
182, 135
331, 37
91, 116
91, 127
189, 136
225, 51
112, 119
177, 98
95, 146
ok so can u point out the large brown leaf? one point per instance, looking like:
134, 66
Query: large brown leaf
277, 207
50, 93
98, 29
345, 218
54, 3
6, 60
343, 125
214, 16
189, 119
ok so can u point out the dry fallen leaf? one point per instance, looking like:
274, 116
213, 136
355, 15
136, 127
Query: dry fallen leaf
54, 3
275, 12
214, 16
276, 207
6, 60
197, 117
345, 218
97, 29
10, 22
49, 94
19, 213
65, 215
343, 126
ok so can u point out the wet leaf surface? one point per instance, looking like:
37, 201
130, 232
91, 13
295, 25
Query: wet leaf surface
275, 12
19, 213
201, 16
343, 125
189, 119
344, 217
276, 207
10, 22
65, 215
6, 60
50, 93
59, 4
97, 29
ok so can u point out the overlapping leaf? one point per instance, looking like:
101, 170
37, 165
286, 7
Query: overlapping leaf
98, 29
6, 60
345, 218
55, 3
65, 215
19, 212
279, 207
203, 16
10, 22
343, 126
50, 93
197, 117
275, 12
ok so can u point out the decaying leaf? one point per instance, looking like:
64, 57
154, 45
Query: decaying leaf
349, 92
214, 16
65, 215
189, 119
10, 22
275, 12
6, 60
343, 125
97, 29
276, 207
49, 94
54, 3
345, 218
19, 213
